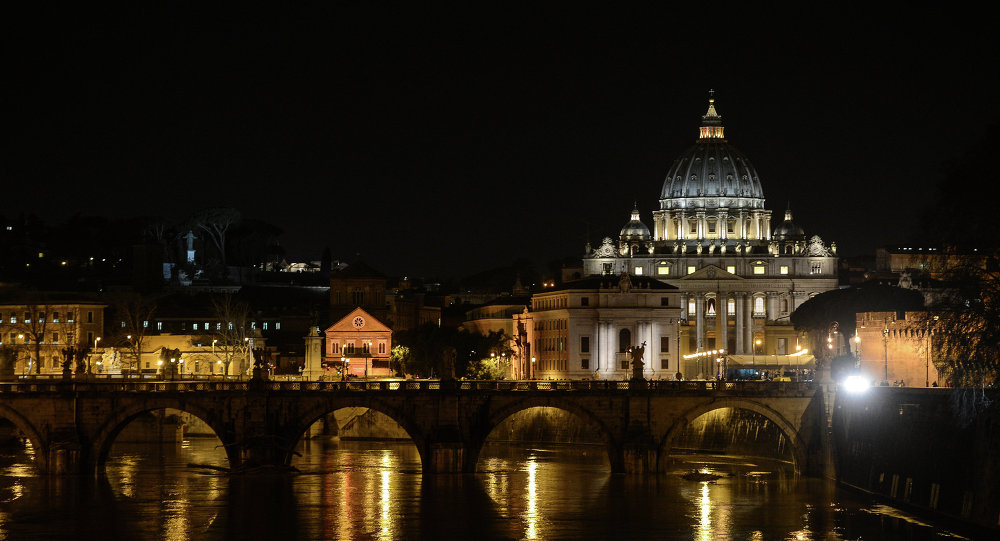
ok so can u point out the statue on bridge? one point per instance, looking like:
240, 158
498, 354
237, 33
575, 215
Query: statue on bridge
637, 365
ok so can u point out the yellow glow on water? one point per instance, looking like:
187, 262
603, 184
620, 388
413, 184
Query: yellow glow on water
385, 518
531, 513
177, 526
705, 506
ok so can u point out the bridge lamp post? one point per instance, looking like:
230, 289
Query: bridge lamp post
97, 344
531, 375
927, 355
368, 358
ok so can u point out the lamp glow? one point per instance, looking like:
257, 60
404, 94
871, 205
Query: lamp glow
856, 384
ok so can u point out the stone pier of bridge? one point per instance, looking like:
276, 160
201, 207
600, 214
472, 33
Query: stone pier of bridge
72, 425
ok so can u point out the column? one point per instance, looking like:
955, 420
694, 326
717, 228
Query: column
682, 226
748, 319
723, 225
772, 305
721, 310
740, 322
684, 306
700, 321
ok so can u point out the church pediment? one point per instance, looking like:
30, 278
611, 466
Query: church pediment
358, 320
712, 272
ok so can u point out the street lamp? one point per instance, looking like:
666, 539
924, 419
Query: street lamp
756, 344
885, 352
531, 375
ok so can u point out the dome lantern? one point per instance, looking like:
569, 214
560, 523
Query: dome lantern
711, 121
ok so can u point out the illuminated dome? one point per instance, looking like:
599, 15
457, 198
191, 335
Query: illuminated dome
788, 230
712, 197
635, 229
711, 173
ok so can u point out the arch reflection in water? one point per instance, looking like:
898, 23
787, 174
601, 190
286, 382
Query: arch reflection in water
148, 469
733, 432
360, 473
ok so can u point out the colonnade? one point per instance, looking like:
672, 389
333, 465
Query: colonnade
754, 224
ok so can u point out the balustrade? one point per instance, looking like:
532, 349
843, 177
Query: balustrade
44, 384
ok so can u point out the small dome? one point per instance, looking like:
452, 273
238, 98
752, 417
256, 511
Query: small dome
635, 229
788, 230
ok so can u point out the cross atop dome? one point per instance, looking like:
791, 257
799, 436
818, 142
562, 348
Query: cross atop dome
711, 121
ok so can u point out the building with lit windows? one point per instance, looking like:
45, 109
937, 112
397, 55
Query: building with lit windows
52, 325
739, 277
358, 344
585, 329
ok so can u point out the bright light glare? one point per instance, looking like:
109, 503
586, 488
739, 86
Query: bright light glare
856, 384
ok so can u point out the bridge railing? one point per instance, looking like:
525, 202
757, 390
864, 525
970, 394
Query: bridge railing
218, 384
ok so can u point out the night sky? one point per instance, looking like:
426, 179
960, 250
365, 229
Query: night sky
445, 141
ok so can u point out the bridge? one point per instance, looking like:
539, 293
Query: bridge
72, 424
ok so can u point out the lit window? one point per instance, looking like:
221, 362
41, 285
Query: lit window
731, 269
758, 306
194, 326
758, 269
817, 268
783, 269
731, 306
638, 271
264, 325
277, 325
692, 269
159, 325
692, 307
663, 269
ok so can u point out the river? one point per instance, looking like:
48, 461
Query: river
375, 491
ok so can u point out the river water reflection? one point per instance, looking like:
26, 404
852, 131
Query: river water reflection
374, 490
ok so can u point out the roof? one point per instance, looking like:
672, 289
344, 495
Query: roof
358, 269
611, 282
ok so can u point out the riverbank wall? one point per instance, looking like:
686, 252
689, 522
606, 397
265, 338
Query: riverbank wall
915, 448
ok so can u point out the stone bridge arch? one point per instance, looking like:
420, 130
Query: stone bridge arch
480, 432
319, 407
28, 429
791, 432
105, 435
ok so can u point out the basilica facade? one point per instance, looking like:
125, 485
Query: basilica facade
738, 272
